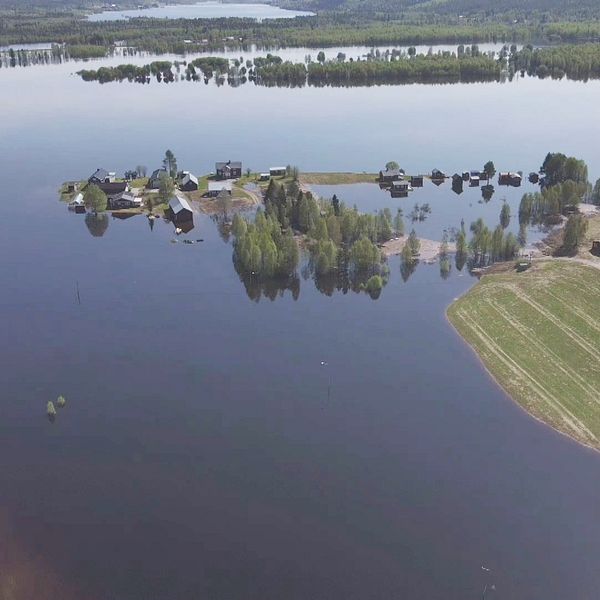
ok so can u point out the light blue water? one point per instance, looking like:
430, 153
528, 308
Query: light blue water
202, 10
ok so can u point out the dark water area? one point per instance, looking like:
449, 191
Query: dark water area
205, 451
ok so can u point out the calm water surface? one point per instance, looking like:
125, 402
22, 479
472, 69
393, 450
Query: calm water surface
201, 454
202, 10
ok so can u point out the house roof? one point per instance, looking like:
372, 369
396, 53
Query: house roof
187, 177
217, 186
236, 164
127, 196
77, 200
179, 203
113, 188
277, 168
393, 172
100, 174
157, 173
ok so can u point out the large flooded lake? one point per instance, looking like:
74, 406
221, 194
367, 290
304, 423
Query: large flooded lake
206, 451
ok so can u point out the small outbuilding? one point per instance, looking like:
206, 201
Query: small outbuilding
390, 175
188, 182
416, 181
180, 210
76, 204
595, 250
264, 176
216, 187
124, 200
510, 178
400, 189
277, 171
437, 175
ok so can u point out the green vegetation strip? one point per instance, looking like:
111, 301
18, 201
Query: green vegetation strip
538, 333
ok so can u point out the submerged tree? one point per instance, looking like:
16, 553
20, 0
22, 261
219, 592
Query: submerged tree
166, 188
489, 169
574, 234
505, 215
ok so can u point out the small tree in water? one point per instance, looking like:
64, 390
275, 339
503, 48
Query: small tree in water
505, 215
95, 199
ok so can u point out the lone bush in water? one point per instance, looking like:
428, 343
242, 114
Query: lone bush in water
61, 402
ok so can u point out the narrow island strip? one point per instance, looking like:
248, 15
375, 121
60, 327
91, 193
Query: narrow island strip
538, 334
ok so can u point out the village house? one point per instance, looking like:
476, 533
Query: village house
390, 175
416, 181
264, 176
457, 183
179, 210
400, 189
101, 176
216, 187
509, 178
154, 180
124, 200
277, 171
228, 170
113, 188
436, 174
188, 182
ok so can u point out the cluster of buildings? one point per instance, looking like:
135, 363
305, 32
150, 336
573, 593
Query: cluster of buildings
399, 184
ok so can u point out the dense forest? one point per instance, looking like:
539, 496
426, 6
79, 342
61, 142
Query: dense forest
342, 244
564, 185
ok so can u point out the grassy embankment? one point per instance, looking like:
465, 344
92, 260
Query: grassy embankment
538, 333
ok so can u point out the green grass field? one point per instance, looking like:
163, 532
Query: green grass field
538, 333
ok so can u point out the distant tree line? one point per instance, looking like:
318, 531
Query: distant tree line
580, 62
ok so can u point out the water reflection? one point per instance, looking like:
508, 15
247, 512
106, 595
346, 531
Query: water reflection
272, 288
97, 223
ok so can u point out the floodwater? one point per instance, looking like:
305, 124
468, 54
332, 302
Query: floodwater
205, 451
202, 10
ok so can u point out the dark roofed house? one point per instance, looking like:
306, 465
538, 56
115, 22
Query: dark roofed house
124, 200
228, 170
101, 176
437, 174
113, 188
180, 210
390, 175
154, 180
508, 178
277, 171
216, 187
188, 182
416, 181
400, 189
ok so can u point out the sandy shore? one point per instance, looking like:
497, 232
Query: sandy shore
430, 249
